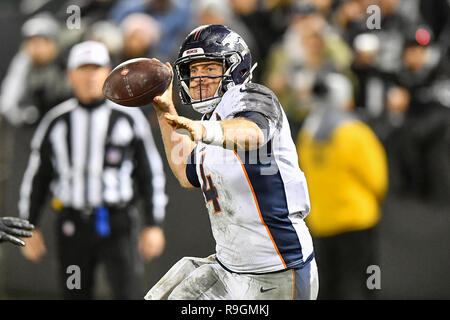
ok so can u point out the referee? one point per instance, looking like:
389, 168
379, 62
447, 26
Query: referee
97, 158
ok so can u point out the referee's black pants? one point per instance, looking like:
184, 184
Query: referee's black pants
80, 245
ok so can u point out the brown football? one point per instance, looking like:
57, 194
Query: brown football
136, 82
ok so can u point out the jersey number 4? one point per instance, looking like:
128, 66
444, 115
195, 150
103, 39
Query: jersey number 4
209, 189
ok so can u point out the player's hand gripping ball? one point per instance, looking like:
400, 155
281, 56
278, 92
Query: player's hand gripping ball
137, 81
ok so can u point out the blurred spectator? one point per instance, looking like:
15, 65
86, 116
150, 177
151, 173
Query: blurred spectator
418, 106
267, 20
309, 48
436, 14
110, 35
97, 160
211, 12
350, 18
174, 15
35, 81
85, 20
346, 169
391, 35
371, 83
421, 72
325, 7
141, 37
409, 9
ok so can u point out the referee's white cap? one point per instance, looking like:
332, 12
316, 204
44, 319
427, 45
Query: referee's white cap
88, 52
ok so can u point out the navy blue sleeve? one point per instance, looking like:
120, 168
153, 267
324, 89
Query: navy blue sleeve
191, 171
261, 120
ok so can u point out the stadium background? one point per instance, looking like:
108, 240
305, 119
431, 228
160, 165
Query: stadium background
414, 233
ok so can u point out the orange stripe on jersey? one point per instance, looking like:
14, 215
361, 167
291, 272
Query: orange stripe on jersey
293, 284
259, 211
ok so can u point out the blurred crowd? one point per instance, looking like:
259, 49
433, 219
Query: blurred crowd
396, 60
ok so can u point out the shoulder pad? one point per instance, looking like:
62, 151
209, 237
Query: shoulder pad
251, 97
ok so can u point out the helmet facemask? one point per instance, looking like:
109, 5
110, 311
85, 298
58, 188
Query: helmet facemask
229, 61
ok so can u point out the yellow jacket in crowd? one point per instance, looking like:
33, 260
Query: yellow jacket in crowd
346, 170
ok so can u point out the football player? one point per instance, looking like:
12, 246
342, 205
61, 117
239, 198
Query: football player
242, 157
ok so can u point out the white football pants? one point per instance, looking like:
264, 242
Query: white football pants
204, 279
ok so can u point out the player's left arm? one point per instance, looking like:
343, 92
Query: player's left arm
239, 133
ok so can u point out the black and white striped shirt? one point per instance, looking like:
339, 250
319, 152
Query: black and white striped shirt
89, 157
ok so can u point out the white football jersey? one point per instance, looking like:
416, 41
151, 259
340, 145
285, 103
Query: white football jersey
256, 200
